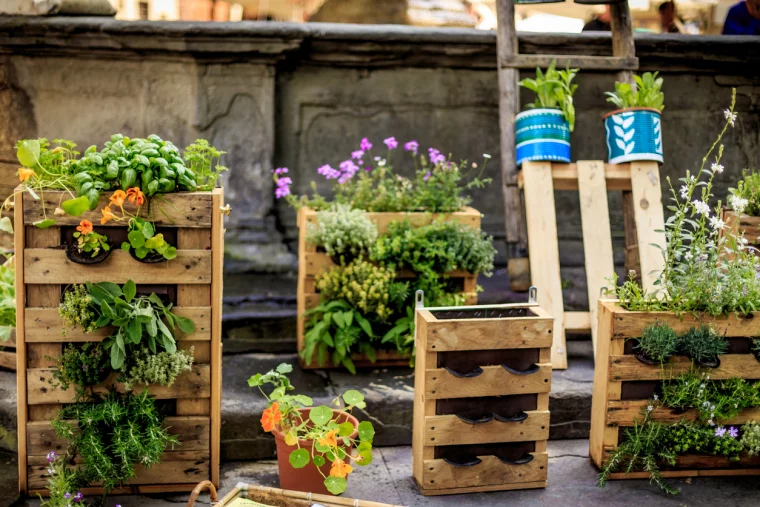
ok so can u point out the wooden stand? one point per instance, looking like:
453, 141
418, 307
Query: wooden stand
312, 263
619, 396
481, 407
592, 180
193, 280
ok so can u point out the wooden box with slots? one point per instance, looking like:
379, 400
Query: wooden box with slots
623, 385
481, 408
311, 263
192, 281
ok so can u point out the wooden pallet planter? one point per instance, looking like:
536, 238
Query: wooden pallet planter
481, 406
312, 263
623, 385
193, 281
745, 225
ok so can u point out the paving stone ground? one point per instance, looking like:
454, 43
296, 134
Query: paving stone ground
388, 479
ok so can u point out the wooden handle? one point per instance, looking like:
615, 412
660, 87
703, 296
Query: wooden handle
199, 489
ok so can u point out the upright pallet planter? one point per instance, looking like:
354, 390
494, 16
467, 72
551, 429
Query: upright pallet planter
623, 385
481, 408
193, 281
312, 262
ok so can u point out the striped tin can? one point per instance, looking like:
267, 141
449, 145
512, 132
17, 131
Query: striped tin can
633, 135
542, 135
524, 2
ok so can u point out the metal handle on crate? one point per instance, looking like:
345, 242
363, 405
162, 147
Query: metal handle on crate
533, 368
419, 303
532, 295
523, 460
480, 420
471, 462
476, 372
518, 417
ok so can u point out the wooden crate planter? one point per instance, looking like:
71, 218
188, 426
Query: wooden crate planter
623, 385
193, 280
311, 263
481, 385
737, 224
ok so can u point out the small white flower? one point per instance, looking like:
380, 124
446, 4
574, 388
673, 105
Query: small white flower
656, 397
684, 192
717, 168
716, 223
731, 117
702, 207
708, 378
486, 155
737, 203
744, 241
688, 256
650, 408
381, 162
710, 422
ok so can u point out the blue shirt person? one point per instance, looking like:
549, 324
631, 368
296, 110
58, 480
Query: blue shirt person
743, 19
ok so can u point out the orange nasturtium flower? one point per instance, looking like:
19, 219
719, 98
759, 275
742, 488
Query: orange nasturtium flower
340, 468
107, 215
134, 194
118, 197
329, 439
24, 173
85, 227
271, 417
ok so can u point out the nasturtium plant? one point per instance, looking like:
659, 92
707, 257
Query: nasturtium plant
143, 238
296, 419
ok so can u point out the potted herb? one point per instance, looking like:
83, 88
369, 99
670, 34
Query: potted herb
657, 344
90, 247
742, 216
634, 130
314, 443
543, 131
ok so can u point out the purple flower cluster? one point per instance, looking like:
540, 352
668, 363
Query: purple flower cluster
412, 146
365, 145
283, 182
732, 432
436, 157
328, 172
391, 143
51, 456
348, 168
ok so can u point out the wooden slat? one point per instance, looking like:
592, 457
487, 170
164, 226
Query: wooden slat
47, 266
585, 62
675, 474
491, 471
649, 215
544, 250
601, 393
597, 238
489, 334
627, 367
217, 276
181, 209
632, 324
565, 176
192, 384
423, 406
8, 360
484, 489
578, 322
494, 381
451, 430
45, 325
624, 413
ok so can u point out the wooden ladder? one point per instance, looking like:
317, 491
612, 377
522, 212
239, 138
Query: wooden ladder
539, 198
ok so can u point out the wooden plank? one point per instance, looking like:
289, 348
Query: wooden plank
494, 381
8, 360
597, 236
600, 394
578, 322
490, 471
21, 389
451, 430
316, 263
483, 489
632, 324
675, 474
179, 209
48, 266
45, 325
585, 62
565, 176
649, 215
192, 384
217, 279
624, 413
424, 406
544, 251
627, 367
632, 262
489, 334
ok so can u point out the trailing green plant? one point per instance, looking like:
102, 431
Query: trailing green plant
745, 198
203, 161
658, 342
84, 365
143, 239
554, 90
7, 300
62, 484
139, 320
751, 438
148, 368
331, 441
89, 241
112, 434
646, 93
343, 232
702, 344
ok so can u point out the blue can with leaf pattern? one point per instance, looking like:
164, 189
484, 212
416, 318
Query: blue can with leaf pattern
634, 135
542, 135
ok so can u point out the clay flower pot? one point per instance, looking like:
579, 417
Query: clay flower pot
307, 479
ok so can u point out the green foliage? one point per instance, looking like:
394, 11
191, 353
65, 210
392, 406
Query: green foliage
343, 232
745, 198
83, 365
62, 484
688, 438
91, 243
204, 162
646, 93
658, 342
702, 344
139, 320
148, 368
112, 434
7, 300
751, 438
554, 90
143, 238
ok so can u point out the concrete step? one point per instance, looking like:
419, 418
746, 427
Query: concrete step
389, 394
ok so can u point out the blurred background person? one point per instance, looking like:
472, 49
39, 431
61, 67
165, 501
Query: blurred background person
601, 23
669, 22
743, 19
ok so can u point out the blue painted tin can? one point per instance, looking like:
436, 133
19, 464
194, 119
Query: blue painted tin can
633, 135
542, 135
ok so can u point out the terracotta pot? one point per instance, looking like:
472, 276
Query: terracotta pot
307, 479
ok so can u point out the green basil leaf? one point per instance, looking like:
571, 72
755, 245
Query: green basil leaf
75, 207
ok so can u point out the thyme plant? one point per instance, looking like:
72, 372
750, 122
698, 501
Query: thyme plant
343, 232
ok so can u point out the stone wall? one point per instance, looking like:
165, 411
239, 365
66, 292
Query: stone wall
275, 94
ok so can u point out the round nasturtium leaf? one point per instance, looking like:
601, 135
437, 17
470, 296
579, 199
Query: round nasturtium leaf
346, 429
44, 224
28, 153
319, 460
299, 458
366, 431
75, 207
353, 397
320, 415
336, 485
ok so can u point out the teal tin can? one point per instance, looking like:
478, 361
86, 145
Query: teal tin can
542, 135
633, 135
